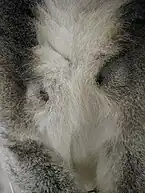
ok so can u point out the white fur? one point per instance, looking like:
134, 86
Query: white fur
74, 39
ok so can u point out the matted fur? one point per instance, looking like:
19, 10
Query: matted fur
72, 95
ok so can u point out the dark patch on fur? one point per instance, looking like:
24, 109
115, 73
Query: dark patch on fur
133, 44
133, 23
17, 37
131, 41
46, 174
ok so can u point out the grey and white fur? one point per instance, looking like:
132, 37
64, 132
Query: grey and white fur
72, 95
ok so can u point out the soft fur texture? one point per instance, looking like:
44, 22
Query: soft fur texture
72, 100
